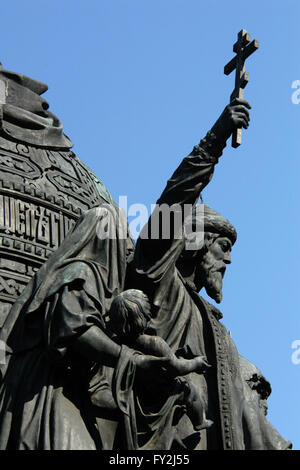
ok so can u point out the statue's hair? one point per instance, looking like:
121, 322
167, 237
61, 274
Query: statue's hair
212, 225
261, 385
130, 314
215, 222
210, 221
254, 378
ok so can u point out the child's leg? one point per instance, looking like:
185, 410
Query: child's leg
195, 408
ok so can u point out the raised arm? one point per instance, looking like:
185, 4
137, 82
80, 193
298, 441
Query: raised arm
186, 184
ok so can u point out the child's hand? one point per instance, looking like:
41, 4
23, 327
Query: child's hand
201, 364
176, 367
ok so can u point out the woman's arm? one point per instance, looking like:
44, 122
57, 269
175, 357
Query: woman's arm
95, 345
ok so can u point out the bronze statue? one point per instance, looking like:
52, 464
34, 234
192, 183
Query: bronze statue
172, 275
161, 388
55, 334
72, 379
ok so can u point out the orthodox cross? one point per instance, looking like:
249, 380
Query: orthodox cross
243, 49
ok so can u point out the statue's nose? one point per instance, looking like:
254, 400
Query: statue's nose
227, 258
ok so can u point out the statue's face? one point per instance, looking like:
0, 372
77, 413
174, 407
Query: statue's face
264, 405
212, 267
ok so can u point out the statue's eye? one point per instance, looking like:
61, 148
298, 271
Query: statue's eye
225, 246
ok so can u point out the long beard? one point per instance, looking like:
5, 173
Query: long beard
213, 285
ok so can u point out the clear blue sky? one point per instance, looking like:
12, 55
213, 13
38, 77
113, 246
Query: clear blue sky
136, 84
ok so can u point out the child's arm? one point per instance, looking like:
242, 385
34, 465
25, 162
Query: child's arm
153, 345
185, 366
156, 346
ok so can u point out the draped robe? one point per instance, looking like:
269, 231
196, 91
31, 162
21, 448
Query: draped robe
191, 325
44, 399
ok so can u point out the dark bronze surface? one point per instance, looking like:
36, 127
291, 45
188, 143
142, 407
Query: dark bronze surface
108, 345
243, 49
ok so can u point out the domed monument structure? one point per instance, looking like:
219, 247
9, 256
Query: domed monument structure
44, 186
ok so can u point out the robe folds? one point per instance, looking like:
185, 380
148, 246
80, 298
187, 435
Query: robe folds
44, 401
46, 386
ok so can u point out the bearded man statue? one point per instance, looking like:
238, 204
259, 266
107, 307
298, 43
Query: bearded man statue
171, 268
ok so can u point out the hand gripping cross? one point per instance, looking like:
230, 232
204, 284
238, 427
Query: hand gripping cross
243, 49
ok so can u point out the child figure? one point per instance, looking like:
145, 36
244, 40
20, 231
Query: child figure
129, 316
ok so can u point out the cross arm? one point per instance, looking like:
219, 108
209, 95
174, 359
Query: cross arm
248, 50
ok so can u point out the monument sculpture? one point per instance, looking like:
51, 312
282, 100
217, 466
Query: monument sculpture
44, 187
109, 345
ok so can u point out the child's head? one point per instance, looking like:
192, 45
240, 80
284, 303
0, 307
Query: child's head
129, 314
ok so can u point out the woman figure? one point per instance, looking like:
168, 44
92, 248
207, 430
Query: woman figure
55, 334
